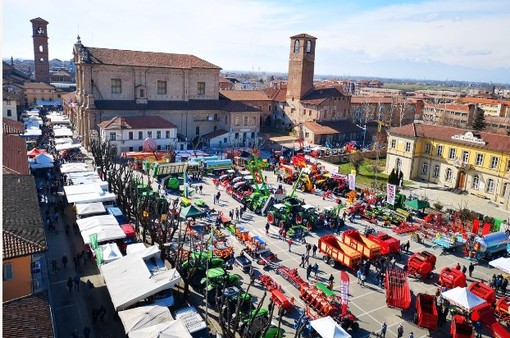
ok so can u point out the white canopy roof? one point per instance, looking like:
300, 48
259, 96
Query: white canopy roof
135, 248
173, 329
75, 167
85, 188
502, 263
84, 209
326, 327
91, 197
129, 280
463, 298
143, 316
62, 132
63, 140
65, 146
191, 319
111, 252
57, 118
89, 180
105, 226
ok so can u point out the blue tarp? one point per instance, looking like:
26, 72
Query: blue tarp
48, 103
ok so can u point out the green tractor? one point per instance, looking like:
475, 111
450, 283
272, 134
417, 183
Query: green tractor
216, 280
280, 212
235, 305
256, 324
202, 262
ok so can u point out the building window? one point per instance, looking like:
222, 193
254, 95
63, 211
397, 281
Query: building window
439, 151
130, 135
201, 88
253, 135
479, 159
307, 134
476, 182
393, 144
508, 166
452, 153
490, 185
465, 156
505, 189
225, 140
197, 130
449, 174
116, 86
296, 46
140, 148
236, 136
158, 134
142, 93
427, 148
8, 272
436, 171
161, 87
140, 135
424, 168
9, 112
237, 121
130, 148
308, 46
494, 162
158, 147
408, 146
246, 120
167, 134
113, 136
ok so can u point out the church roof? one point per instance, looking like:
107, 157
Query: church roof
137, 122
225, 105
245, 95
121, 57
319, 95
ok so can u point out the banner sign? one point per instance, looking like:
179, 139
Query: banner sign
390, 193
93, 241
344, 290
352, 181
99, 256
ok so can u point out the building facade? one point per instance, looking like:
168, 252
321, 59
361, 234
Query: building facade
40, 41
182, 89
39, 91
477, 162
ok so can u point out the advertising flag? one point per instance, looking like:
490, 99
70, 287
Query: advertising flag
390, 193
344, 290
352, 181
93, 241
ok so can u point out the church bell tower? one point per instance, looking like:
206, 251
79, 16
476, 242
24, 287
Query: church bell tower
40, 38
301, 66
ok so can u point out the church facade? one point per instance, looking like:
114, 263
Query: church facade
182, 89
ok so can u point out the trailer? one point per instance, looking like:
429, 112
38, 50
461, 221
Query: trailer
426, 311
485, 314
461, 327
490, 246
483, 291
502, 309
398, 293
389, 245
335, 251
451, 278
362, 244
421, 264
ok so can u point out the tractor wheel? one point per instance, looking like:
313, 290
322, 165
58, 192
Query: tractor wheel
270, 218
332, 262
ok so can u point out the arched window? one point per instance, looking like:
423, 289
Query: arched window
142, 93
308, 46
490, 185
476, 182
449, 174
41, 49
296, 46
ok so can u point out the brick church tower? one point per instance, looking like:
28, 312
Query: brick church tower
40, 36
301, 66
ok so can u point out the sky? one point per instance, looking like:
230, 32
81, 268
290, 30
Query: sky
425, 40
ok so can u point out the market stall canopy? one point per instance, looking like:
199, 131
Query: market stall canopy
63, 140
143, 316
41, 161
105, 226
132, 278
62, 132
326, 327
87, 188
173, 329
66, 146
502, 263
34, 152
87, 209
463, 298
417, 204
110, 252
67, 168
91, 197
191, 211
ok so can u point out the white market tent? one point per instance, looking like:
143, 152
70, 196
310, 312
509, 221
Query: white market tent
62, 132
66, 146
67, 168
326, 327
463, 298
129, 280
105, 226
143, 316
56, 118
63, 140
88, 180
91, 197
88, 209
173, 329
502, 263
84, 189
135, 248
110, 252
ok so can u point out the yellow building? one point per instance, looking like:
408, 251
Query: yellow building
477, 162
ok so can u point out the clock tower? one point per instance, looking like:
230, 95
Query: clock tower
301, 66
40, 37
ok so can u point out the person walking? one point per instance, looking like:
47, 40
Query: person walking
307, 259
70, 284
384, 327
308, 271
363, 278
400, 331
315, 269
331, 280
314, 250
218, 196
308, 248
53, 266
358, 275
77, 282
200, 187
64, 261
237, 214
471, 269
302, 264
289, 242
411, 335
457, 267
267, 228
464, 269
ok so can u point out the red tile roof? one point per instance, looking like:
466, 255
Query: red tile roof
302, 35
138, 122
245, 95
146, 59
319, 95
331, 127
14, 154
492, 141
27, 317
17, 246
482, 100
12, 126
463, 108
277, 94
